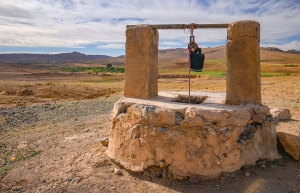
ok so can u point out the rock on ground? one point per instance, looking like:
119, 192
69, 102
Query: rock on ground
280, 114
290, 143
104, 141
287, 136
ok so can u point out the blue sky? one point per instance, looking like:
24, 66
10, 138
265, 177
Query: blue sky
98, 26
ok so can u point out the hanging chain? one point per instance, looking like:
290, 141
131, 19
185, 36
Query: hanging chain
192, 45
191, 48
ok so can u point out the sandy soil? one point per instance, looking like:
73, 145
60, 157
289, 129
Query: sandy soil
52, 144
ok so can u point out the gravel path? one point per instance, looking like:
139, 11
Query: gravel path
50, 113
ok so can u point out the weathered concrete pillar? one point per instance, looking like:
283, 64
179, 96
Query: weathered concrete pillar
141, 70
243, 63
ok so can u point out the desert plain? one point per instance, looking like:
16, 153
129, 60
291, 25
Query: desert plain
52, 122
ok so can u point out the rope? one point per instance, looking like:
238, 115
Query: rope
189, 63
192, 46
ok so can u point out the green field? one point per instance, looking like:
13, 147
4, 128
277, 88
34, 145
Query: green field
107, 68
215, 73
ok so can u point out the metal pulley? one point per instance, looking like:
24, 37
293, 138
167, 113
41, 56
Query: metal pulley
195, 54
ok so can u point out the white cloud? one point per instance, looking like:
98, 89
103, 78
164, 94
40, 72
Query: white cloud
76, 23
287, 46
170, 43
28, 52
111, 46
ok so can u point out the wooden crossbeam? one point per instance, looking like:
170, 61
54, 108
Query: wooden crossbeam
183, 26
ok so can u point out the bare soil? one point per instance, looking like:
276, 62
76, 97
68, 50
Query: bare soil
51, 127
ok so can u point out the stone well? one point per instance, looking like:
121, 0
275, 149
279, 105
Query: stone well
184, 140
150, 131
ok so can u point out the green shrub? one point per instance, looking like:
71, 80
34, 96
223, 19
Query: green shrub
290, 65
107, 68
4, 170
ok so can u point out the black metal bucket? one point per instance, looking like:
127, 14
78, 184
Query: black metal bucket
197, 60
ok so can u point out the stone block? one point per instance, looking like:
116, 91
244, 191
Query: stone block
243, 84
141, 70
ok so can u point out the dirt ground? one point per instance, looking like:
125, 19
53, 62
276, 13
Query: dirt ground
51, 125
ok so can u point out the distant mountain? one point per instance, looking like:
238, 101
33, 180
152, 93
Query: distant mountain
293, 51
177, 56
274, 49
50, 58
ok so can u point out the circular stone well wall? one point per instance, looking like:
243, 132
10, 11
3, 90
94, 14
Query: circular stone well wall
184, 140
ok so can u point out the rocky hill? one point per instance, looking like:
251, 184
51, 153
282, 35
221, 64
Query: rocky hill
165, 57
293, 51
49, 58
274, 49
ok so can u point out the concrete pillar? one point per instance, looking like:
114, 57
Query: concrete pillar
243, 83
141, 70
